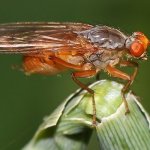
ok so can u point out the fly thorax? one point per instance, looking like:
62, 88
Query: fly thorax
102, 58
105, 37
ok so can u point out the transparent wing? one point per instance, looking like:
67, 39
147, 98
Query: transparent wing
33, 37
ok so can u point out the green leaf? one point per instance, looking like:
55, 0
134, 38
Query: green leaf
125, 132
63, 129
70, 125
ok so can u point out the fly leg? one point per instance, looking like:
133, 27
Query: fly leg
83, 74
79, 74
119, 74
130, 64
64, 63
97, 76
132, 77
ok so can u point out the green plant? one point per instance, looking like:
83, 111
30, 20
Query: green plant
70, 125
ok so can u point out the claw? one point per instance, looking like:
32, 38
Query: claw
94, 124
127, 111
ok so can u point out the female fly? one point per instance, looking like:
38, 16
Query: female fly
49, 48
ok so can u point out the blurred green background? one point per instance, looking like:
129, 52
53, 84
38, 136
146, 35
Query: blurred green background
25, 100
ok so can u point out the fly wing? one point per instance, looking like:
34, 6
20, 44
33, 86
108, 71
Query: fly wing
27, 37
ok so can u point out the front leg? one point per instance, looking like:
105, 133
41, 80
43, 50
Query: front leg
130, 64
119, 74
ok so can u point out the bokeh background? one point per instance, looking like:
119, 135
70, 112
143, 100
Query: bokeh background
25, 100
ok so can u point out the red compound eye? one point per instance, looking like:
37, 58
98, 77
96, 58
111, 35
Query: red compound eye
137, 49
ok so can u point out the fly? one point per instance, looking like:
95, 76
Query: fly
50, 48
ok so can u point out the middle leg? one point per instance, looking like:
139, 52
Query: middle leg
80, 74
84, 74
